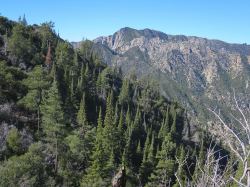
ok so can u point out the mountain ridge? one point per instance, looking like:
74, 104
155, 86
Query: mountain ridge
202, 73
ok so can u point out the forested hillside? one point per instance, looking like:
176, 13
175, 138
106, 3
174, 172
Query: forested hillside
67, 119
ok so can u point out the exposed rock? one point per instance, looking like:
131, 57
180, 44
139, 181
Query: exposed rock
26, 139
201, 73
120, 179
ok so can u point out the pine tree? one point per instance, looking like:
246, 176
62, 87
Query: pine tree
201, 162
173, 132
146, 166
36, 82
128, 118
161, 176
81, 83
17, 44
98, 168
138, 130
82, 114
161, 132
52, 120
151, 157
49, 61
124, 97
111, 165
109, 130
87, 74
139, 155
120, 133
71, 103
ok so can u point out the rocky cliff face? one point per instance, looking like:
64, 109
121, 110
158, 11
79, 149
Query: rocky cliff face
201, 73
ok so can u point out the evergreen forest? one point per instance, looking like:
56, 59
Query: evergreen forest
68, 119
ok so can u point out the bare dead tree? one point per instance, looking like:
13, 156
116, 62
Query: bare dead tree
212, 173
243, 152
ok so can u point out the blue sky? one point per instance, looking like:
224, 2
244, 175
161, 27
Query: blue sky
226, 20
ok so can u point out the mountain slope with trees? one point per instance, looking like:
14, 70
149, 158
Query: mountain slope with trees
68, 119
198, 72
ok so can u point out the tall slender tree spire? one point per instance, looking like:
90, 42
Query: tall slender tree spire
49, 61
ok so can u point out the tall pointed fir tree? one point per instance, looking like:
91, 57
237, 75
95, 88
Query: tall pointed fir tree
146, 169
199, 164
164, 170
71, 103
120, 134
173, 131
52, 120
98, 170
109, 130
82, 115
124, 96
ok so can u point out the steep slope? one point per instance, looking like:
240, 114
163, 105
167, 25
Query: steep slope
200, 72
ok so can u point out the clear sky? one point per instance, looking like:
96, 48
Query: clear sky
226, 20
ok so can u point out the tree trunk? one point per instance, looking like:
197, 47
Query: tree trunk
38, 120
56, 159
248, 178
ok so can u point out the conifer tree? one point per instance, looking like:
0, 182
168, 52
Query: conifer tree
82, 114
98, 82
75, 66
127, 162
151, 157
124, 97
99, 126
173, 132
36, 82
138, 129
109, 130
139, 153
49, 61
161, 132
161, 176
146, 166
128, 118
52, 120
201, 162
71, 103
181, 172
120, 133
24, 22
116, 115
81, 83
17, 44
14, 144
87, 74
98, 169
111, 165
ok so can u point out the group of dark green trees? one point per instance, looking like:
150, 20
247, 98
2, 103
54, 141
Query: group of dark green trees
87, 120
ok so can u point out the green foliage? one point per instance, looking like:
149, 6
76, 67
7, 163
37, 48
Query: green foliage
165, 167
11, 85
52, 120
124, 96
18, 44
64, 54
134, 119
14, 143
27, 170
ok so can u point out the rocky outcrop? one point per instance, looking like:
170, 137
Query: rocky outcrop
201, 73
120, 178
26, 138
